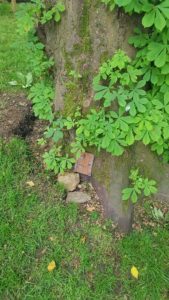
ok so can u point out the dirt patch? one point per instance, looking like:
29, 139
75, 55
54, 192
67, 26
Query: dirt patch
14, 109
17, 119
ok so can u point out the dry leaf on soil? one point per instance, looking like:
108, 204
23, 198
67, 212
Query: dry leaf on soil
30, 183
90, 208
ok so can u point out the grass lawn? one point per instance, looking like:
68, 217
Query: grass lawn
90, 262
37, 227
35, 232
13, 53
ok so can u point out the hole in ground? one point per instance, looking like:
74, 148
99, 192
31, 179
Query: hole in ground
25, 126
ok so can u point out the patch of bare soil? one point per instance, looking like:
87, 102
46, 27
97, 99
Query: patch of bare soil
15, 112
17, 119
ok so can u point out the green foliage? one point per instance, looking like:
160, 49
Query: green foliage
139, 186
53, 13
139, 88
42, 95
157, 214
39, 63
155, 14
133, 95
56, 161
41, 91
30, 15
25, 81
75, 74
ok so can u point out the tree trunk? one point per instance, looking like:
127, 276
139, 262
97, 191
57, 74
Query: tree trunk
13, 4
87, 35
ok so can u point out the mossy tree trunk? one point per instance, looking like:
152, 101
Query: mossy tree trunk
87, 35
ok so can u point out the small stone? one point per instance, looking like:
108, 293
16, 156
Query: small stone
69, 180
78, 197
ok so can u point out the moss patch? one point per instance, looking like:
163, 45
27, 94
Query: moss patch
84, 31
102, 175
73, 98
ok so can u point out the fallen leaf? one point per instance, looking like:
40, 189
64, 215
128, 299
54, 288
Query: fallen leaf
51, 266
90, 208
30, 183
51, 238
83, 239
134, 272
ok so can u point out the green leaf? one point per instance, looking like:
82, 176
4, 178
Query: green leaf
146, 139
105, 142
130, 138
126, 193
57, 136
99, 95
164, 7
61, 7
165, 69
122, 2
132, 109
141, 108
166, 133
86, 133
115, 148
57, 16
158, 104
109, 97
134, 197
161, 59
167, 109
153, 189
98, 87
157, 53
147, 191
148, 19
166, 98
159, 21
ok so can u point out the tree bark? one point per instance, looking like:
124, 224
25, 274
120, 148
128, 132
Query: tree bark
13, 4
87, 35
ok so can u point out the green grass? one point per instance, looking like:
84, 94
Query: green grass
149, 252
13, 53
35, 231
27, 225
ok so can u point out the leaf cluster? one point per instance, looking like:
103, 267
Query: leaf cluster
139, 186
30, 15
56, 161
42, 95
